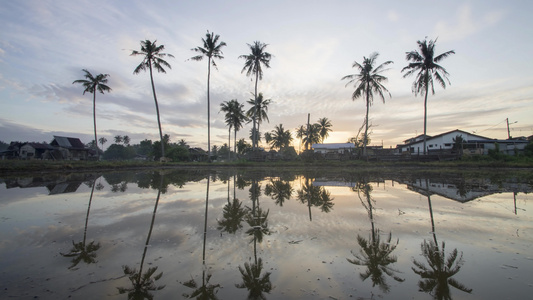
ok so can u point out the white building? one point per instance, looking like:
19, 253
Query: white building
472, 143
339, 148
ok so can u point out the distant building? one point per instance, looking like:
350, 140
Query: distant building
340, 148
471, 144
70, 148
35, 151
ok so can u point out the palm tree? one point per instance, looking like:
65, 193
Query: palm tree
259, 111
325, 128
425, 64
153, 58
300, 134
367, 82
91, 85
212, 49
256, 283
281, 138
279, 191
102, 141
253, 66
234, 117
312, 136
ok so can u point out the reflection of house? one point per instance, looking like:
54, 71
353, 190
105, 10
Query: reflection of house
462, 191
70, 148
471, 143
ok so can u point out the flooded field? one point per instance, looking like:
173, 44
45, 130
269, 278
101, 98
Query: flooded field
238, 235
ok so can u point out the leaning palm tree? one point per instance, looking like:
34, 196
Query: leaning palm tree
153, 58
91, 85
325, 128
367, 82
211, 49
425, 64
253, 66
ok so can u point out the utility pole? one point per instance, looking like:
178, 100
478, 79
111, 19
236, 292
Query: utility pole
508, 132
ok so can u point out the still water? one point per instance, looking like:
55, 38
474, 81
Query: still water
177, 234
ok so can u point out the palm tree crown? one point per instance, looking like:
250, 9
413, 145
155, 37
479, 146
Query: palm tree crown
425, 64
367, 82
281, 138
258, 110
212, 49
153, 58
325, 128
91, 85
253, 66
234, 117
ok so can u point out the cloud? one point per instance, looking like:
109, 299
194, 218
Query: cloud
466, 24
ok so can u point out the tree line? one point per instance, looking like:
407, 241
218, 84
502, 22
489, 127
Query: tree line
368, 81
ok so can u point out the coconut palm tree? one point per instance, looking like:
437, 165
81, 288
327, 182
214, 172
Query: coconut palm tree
281, 138
324, 128
102, 141
212, 49
91, 85
153, 58
425, 64
259, 111
253, 66
279, 191
312, 136
300, 134
234, 117
367, 82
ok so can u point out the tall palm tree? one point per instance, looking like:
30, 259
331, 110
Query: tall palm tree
367, 82
259, 111
425, 64
212, 49
253, 66
153, 58
300, 134
91, 85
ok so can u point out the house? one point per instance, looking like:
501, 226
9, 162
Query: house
471, 144
35, 151
12, 151
339, 148
70, 148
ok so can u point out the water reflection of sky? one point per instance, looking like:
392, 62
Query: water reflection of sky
306, 252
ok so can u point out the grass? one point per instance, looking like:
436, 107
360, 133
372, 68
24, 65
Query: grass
39, 166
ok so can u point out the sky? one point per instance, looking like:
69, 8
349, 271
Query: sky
44, 45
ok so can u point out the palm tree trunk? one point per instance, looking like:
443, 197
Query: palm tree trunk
94, 120
157, 111
229, 143
254, 134
208, 112
365, 138
425, 112
235, 142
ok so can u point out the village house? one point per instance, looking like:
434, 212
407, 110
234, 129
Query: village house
70, 148
468, 143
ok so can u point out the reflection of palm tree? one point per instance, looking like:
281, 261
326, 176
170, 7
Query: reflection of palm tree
206, 290
315, 196
374, 254
233, 213
436, 278
256, 283
82, 251
144, 283
279, 191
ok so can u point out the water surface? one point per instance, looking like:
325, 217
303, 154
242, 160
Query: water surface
233, 235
